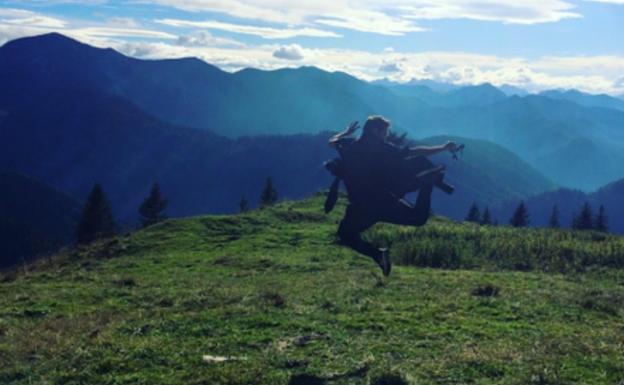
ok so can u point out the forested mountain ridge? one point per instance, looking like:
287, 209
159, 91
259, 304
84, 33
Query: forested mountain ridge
569, 203
34, 218
546, 130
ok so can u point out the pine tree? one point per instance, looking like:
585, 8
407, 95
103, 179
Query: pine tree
486, 219
602, 221
152, 209
243, 205
553, 222
473, 213
96, 220
585, 220
269, 194
520, 217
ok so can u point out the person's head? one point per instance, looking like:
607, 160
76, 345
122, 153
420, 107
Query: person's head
376, 126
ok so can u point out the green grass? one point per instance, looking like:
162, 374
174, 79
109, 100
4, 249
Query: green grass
271, 290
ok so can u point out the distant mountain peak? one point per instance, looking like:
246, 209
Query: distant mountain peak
438, 86
481, 87
486, 85
46, 39
584, 98
480, 94
510, 90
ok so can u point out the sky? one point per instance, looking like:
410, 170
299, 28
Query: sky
532, 44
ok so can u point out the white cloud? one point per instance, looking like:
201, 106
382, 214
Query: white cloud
117, 32
16, 23
389, 17
390, 67
608, 1
289, 52
395, 17
370, 21
23, 17
264, 32
506, 11
204, 39
594, 74
125, 22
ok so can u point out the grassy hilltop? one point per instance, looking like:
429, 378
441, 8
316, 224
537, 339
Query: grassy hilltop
270, 291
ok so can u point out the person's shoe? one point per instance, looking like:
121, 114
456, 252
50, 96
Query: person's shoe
384, 262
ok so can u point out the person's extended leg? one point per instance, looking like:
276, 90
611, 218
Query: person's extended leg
401, 212
355, 221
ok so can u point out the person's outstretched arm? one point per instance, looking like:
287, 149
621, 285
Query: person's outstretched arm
353, 127
432, 150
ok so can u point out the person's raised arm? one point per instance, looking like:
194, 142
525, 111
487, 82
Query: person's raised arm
432, 150
353, 127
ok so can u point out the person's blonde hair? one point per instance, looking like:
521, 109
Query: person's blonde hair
375, 122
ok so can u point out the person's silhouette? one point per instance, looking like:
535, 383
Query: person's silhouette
373, 171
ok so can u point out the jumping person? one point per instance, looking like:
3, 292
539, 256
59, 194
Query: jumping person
372, 170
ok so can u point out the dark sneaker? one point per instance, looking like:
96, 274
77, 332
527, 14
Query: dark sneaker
384, 262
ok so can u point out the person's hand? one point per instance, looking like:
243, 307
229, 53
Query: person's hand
451, 146
352, 127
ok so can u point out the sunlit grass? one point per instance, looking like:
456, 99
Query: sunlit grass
273, 294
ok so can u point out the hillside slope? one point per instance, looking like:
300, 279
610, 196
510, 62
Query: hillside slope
484, 173
271, 295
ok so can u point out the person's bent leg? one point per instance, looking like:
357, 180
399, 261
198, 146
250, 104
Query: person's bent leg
350, 229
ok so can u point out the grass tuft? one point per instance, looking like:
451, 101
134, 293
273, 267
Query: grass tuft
487, 290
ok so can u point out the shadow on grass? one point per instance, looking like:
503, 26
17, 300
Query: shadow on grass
306, 379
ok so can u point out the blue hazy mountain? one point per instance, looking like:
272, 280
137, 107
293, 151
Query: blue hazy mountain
78, 137
479, 95
569, 203
75, 133
585, 99
543, 131
437, 86
510, 90
34, 218
575, 146
487, 174
192, 93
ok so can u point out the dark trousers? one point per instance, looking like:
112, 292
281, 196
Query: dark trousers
359, 217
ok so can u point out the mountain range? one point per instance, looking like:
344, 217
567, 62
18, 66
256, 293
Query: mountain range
72, 115
79, 137
548, 131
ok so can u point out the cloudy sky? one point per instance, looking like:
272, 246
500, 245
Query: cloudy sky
533, 44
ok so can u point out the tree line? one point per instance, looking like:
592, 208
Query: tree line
96, 218
583, 220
